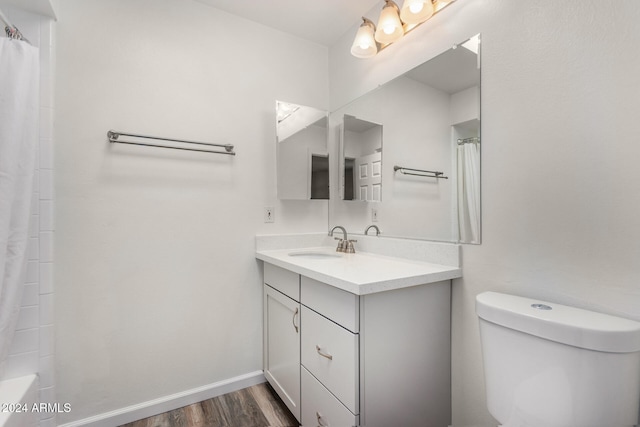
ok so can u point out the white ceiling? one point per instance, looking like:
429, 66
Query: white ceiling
43, 7
321, 21
325, 21
453, 71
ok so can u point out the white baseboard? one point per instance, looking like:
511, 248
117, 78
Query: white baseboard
169, 403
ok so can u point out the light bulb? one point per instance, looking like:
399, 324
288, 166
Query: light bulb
389, 25
416, 11
416, 7
364, 45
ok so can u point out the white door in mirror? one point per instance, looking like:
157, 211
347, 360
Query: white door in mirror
368, 177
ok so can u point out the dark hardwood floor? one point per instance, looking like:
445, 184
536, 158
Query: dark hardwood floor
256, 406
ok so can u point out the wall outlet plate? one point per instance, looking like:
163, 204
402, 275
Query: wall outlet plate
269, 214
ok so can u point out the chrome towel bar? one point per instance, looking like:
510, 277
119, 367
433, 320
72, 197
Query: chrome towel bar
114, 137
420, 172
472, 140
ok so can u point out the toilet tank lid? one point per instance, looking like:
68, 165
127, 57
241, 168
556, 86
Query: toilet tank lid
560, 323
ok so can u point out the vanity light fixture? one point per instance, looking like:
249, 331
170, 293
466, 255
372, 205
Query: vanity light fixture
389, 26
393, 23
364, 45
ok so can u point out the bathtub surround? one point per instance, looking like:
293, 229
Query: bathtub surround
19, 76
21, 392
32, 350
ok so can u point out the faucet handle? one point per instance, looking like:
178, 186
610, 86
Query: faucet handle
349, 247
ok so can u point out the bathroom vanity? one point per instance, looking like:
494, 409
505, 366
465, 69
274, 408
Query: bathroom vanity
358, 339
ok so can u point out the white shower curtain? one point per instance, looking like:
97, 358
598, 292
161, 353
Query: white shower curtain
19, 125
469, 192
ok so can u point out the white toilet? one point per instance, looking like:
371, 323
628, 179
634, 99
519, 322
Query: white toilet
549, 365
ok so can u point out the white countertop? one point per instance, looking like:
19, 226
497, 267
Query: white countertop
360, 273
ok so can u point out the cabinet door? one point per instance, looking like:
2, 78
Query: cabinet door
282, 347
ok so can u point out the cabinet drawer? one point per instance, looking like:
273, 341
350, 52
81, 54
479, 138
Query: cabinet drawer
330, 353
340, 306
283, 280
320, 407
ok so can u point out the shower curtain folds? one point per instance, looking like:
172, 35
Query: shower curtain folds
19, 125
469, 192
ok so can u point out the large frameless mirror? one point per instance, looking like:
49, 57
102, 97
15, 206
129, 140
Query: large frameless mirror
429, 124
302, 155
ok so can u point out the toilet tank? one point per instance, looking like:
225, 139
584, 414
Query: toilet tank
550, 365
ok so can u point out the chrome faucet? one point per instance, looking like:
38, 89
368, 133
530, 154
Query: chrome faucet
341, 228
344, 244
366, 231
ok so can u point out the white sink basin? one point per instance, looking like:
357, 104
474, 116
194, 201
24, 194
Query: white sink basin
315, 254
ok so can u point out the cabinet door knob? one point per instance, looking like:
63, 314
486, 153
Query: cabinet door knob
320, 423
328, 356
295, 313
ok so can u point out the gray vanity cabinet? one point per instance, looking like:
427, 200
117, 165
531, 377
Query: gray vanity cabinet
375, 360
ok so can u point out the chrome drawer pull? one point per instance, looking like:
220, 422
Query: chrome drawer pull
328, 356
295, 313
320, 423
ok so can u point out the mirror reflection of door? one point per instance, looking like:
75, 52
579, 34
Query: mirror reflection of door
319, 176
349, 181
362, 151
368, 179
